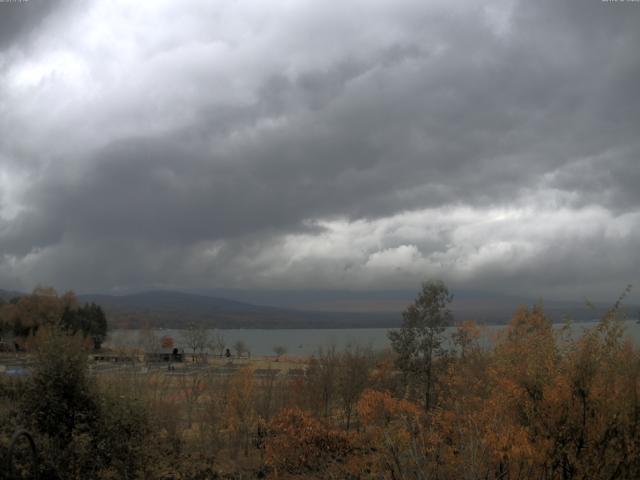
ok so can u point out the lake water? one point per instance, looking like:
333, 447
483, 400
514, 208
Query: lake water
308, 341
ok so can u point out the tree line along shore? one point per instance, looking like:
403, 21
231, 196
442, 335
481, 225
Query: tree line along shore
537, 403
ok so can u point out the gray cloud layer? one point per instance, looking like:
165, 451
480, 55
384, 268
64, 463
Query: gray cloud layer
494, 144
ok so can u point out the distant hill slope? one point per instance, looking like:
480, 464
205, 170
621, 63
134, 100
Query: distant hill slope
484, 307
308, 309
312, 310
178, 309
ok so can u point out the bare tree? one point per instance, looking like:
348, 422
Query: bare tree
191, 386
240, 347
241, 414
217, 344
265, 395
149, 341
214, 413
321, 376
353, 378
279, 350
196, 337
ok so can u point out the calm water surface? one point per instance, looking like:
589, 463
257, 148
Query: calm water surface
308, 341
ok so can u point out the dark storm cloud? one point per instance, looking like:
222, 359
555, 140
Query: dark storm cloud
19, 19
224, 147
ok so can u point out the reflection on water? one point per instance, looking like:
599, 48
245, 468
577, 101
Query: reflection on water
306, 342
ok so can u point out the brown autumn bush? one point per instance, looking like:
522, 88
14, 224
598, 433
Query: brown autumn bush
300, 443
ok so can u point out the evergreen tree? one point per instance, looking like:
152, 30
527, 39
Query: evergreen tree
420, 338
89, 319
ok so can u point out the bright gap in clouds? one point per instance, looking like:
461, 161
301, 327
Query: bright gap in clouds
460, 244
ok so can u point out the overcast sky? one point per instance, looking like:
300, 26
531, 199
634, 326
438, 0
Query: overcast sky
307, 144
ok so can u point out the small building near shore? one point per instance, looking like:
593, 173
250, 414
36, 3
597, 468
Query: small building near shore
114, 357
164, 355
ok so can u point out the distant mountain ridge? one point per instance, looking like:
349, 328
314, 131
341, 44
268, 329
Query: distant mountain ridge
484, 307
323, 309
307, 309
174, 309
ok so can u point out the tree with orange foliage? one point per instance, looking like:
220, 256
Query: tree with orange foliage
466, 337
24, 315
241, 413
167, 342
299, 444
394, 434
